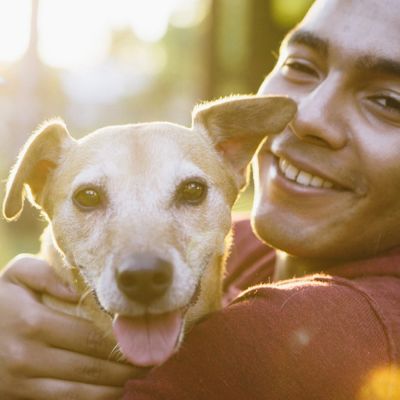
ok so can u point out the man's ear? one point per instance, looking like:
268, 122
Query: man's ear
37, 159
237, 126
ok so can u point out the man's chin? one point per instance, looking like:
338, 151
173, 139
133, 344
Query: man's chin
290, 236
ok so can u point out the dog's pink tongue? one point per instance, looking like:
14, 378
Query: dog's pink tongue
149, 340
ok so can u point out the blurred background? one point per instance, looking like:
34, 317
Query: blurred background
103, 62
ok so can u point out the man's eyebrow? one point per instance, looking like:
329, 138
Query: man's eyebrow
378, 65
364, 63
309, 39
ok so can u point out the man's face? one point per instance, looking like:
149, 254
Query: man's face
329, 185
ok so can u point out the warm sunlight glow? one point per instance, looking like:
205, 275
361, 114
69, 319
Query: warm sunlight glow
382, 384
149, 20
190, 13
14, 28
74, 34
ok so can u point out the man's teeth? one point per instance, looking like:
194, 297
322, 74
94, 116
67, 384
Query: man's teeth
301, 177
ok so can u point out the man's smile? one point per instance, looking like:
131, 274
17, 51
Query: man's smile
302, 177
313, 168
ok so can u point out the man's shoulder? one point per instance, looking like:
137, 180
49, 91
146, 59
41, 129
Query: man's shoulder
348, 314
320, 293
328, 329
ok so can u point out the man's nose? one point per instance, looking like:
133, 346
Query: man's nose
144, 277
321, 116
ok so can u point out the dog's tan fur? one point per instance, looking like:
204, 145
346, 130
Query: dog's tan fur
138, 168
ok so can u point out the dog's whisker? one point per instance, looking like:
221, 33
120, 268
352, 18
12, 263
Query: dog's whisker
84, 296
116, 354
82, 299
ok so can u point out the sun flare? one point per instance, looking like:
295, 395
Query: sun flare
14, 28
75, 34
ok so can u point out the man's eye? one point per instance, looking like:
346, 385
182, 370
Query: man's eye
387, 103
298, 67
385, 106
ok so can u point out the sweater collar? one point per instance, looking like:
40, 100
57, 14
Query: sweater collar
387, 263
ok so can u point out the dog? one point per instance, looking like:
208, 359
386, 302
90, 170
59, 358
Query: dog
139, 215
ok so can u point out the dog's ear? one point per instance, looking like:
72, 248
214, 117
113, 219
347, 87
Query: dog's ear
237, 126
37, 159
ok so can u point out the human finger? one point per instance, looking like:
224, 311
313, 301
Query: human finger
81, 368
52, 389
36, 274
82, 335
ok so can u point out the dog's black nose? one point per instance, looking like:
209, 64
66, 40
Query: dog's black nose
144, 277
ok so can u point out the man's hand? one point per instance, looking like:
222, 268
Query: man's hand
44, 354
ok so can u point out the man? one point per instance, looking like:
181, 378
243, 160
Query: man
327, 196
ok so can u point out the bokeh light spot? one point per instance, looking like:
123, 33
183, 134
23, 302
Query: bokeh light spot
382, 384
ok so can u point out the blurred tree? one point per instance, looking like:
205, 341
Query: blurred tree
265, 37
27, 94
243, 41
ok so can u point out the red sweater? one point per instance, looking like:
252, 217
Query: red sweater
329, 336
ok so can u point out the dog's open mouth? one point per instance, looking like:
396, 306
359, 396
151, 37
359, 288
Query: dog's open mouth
148, 340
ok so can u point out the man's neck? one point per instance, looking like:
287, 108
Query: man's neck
288, 267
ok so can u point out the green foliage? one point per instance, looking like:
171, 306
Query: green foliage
288, 12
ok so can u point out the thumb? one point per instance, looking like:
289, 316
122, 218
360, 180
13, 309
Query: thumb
37, 275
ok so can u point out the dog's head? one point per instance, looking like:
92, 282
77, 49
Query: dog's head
142, 210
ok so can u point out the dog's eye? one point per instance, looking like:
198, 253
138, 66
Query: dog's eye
192, 192
87, 199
